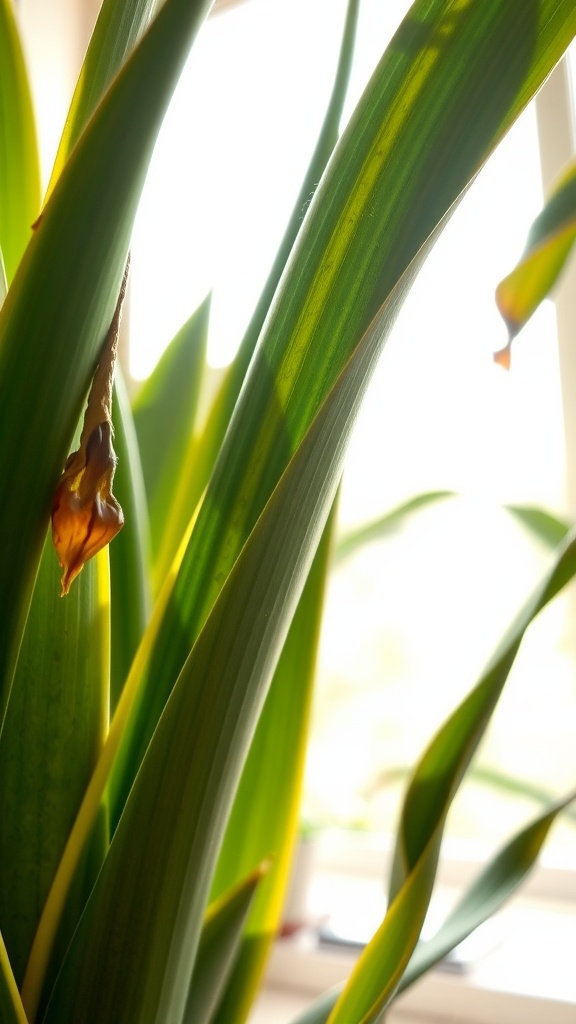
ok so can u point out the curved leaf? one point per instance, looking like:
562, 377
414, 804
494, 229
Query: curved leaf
494, 886
117, 30
377, 972
164, 413
549, 244
500, 878
11, 1009
440, 770
202, 453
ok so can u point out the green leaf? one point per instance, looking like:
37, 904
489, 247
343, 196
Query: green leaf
11, 1009
377, 972
202, 454
118, 28
496, 883
442, 767
265, 814
494, 886
54, 729
218, 946
542, 524
428, 118
63, 297
549, 244
3, 281
19, 163
385, 524
129, 554
164, 414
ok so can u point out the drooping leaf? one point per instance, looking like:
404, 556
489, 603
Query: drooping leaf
204, 449
63, 296
19, 163
164, 414
549, 244
496, 883
428, 118
434, 784
218, 946
439, 772
265, 814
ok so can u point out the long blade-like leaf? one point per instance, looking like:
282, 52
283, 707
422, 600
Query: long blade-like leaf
53, 733
202, 453
60, 305
494, 886
218, 946
499, 879
117, 30
265, 815
441, 769
130, 552
377, 972
164, 415
11, 1009
19, 163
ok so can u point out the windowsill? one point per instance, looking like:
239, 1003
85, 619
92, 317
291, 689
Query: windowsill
527, 976
517, 969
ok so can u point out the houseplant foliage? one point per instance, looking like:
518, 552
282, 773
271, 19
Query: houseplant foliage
135, 882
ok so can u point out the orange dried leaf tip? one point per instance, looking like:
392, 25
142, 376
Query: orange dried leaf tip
503, 357
85, 513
